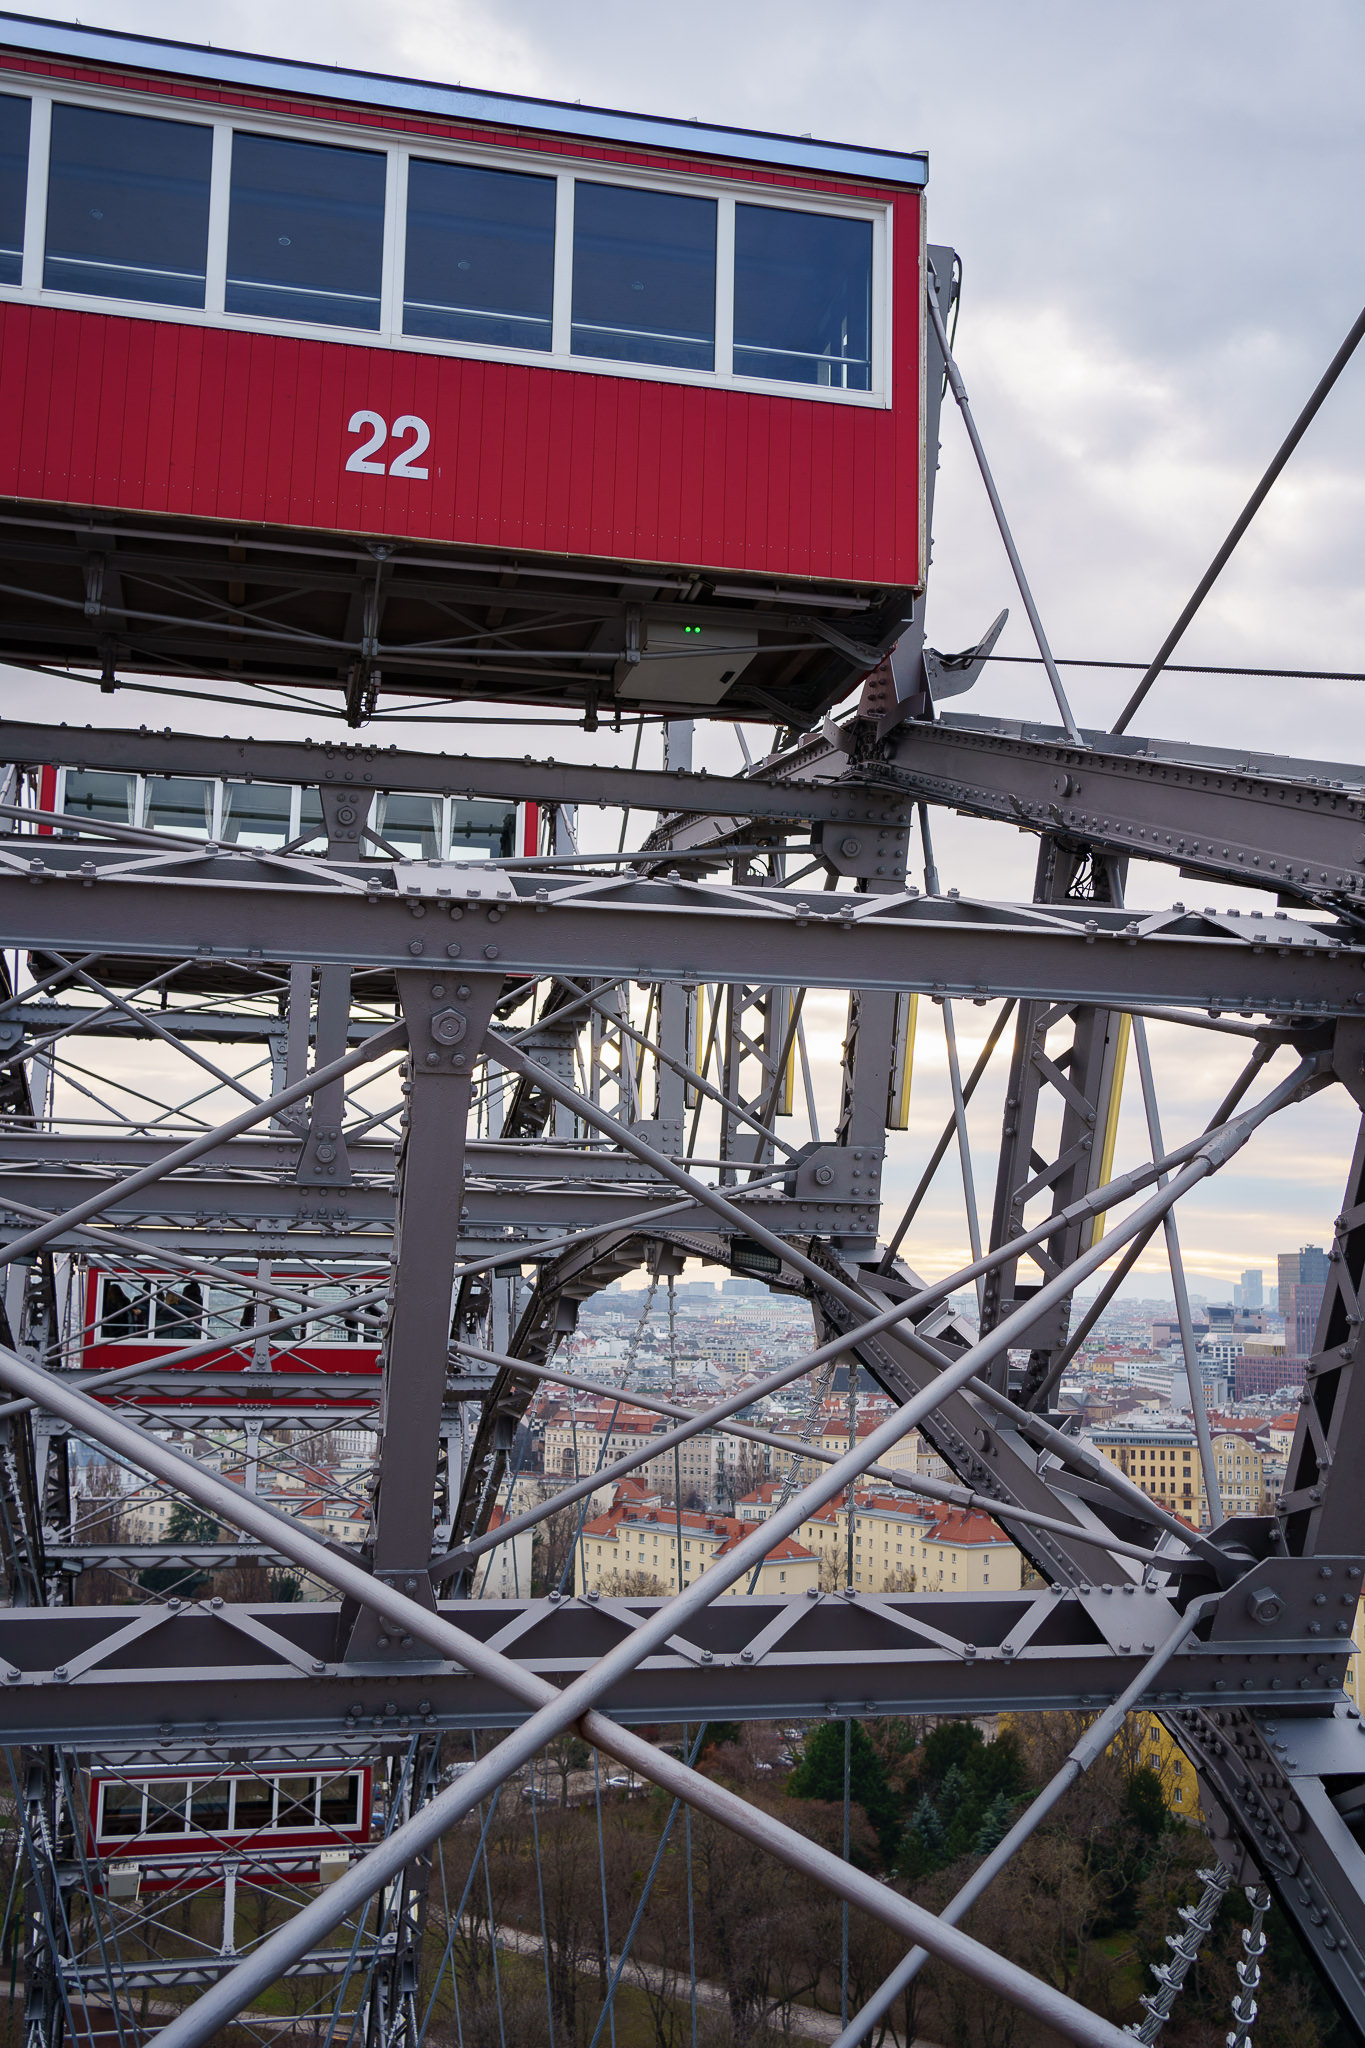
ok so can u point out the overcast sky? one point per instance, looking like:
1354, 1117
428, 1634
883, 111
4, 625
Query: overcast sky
1158, 213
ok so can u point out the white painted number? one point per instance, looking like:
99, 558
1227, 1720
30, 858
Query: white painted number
379, 431
403, 464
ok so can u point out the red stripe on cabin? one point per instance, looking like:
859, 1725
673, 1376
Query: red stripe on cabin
152, 415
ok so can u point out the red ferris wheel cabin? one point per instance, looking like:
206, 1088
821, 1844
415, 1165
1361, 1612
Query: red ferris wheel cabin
372, 385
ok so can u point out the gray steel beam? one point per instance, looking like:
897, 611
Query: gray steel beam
1261, 821
984, 1452
552, 1710
1282, 1799
231, 908
463, 775
446, 1019
1060, 1156
1320, 1502
216, 1026
509, 1185
87, 1677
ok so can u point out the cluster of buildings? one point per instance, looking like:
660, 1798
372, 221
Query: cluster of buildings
880, 1542
1160, 1452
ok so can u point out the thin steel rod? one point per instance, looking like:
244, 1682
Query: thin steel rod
945, 1138
785, 1055
1128, 1495
84, 1021
959, 391
1095, 1203
553, 1710
689, 1074
964, 1146
797, 1448
157, 1029
49, 981
807, 1084
1194, 1379
1041, 1393
1243, 519
1084, 1753
374, 1048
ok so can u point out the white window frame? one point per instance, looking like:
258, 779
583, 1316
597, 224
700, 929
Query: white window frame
398, 153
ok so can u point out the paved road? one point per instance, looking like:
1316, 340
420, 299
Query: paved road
802, 2020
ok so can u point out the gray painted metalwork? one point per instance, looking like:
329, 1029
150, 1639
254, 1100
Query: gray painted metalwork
579, 1066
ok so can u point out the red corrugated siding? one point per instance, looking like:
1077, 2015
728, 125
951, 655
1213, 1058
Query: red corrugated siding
156, 416
162, 417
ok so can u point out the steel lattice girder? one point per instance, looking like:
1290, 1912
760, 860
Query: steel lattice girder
213, 906
91, 1676
768, 796
1252, 818
1231, 816
946, 1669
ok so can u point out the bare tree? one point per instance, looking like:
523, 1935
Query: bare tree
552, 1550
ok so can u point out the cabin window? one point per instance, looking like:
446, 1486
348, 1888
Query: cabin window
125, 1311
411, 824
480, 255
211, 1806
92, 793
256, 813
297, 1803
127, 206
14, 125
477, 828
255, 1806
121, 1810
166, 1800
390, 240
803, 297
305, 231
180, 1311
179, 803
644, 276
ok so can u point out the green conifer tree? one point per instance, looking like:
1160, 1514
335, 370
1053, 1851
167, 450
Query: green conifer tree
820, 1775
995, 1825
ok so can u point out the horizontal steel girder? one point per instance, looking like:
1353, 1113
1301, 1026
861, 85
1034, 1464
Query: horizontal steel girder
465, 775
1273, 823
90, 1676
228, 907
261, 1206
216, 1027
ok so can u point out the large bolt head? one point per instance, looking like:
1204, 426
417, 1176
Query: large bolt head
1264, 1605
823, 1176
850, 848
448, 1027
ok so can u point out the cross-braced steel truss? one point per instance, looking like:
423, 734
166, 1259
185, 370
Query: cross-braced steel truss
310, 1154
